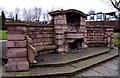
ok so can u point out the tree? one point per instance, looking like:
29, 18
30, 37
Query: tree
32, 14
24, 14
10, 15
37, 13
16, 12
3, 21
91, 12
116, 4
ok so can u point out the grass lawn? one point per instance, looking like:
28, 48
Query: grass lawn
116, 39
3, 34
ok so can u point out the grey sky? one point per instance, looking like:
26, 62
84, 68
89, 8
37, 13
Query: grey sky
82, 5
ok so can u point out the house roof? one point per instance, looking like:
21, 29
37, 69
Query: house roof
57, 12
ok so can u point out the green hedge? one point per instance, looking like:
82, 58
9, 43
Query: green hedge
3, 34
116, 39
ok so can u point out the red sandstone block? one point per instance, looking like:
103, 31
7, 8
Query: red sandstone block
59, 36
11, 28
23, 65
16, 60
17, 52
50, 47
12, 60
23, 29
20, 43
59, 42
59, 31
60, 50
11, 67
10, 44
47, 29
31, 28
16, 37
16, 43
21, 59
39, 36
15, 32
17, 64
39, 48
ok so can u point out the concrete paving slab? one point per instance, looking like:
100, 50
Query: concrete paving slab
86, 72
94, 60
0, 72
114, 62
91, 73
70, 56
46, 71
7, 74
106, 71
111, 66
40, 71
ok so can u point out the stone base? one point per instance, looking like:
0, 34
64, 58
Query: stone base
112, 46
17, 66
85, 46
60, 50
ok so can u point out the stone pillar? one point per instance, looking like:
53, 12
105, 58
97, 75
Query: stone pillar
59, 24
16, 44
85, 39
60, 41
110, 33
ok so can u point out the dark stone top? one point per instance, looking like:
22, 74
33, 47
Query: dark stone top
57, 12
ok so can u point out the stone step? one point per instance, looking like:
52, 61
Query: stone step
63, 70
70, 60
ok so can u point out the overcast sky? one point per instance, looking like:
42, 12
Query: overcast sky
82, 5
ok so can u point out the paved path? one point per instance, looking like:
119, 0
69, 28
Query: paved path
109, 68
72, 68
3, 49
56, 58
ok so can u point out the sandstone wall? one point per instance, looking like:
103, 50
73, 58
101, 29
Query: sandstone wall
100, 36
43, 38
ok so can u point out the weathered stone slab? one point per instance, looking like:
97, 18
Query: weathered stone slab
11, 67
15, 60
11, 28
39, 48
72, 35
106, 71
111, 66
17, 52
59, 32
16, 43
60, 42
23, 65
21, 29
91, 73
15, 32
16, 37
50, 47
59, 36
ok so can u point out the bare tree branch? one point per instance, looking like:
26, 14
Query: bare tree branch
116, 4
32, 14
